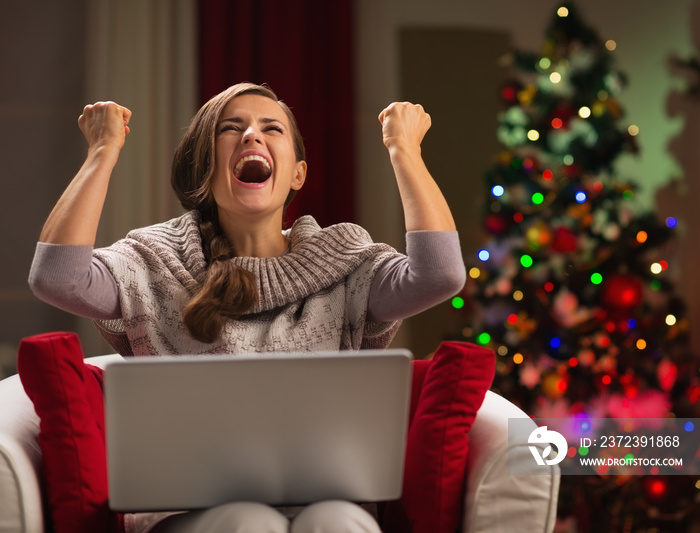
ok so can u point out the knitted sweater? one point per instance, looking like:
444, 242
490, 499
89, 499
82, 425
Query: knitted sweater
313, 298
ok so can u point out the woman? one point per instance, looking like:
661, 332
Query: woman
225, 278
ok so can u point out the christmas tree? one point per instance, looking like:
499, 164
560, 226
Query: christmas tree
573, 287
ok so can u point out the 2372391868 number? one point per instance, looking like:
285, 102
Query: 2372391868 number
638, 441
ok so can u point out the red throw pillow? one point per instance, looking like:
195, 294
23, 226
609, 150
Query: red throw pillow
67, 397
446, 395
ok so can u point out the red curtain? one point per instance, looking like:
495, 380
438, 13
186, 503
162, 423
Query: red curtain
303, 49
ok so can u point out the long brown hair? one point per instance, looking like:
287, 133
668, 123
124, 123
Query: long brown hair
228, 290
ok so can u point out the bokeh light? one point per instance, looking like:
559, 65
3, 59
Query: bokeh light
483, 338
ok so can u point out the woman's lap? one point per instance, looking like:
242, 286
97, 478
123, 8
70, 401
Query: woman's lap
243, 517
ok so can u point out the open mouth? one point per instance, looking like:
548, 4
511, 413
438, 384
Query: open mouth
252, 168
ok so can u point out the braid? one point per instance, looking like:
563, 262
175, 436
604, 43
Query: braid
228, 290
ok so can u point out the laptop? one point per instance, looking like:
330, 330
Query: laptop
192, 432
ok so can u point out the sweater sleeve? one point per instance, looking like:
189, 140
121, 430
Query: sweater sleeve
70, 278
432, 271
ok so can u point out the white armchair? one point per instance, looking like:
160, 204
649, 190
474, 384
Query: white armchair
494, 501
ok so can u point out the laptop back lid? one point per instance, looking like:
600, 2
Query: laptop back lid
194, 432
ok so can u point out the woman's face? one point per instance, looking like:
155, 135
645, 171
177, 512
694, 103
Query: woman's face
255, 164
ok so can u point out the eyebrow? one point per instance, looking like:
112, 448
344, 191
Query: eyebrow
239, 120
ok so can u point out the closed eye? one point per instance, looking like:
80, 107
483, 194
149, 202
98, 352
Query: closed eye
237, 124
229, 127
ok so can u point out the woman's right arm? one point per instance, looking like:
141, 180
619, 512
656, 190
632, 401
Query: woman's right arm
63, 272
76, 215
70, 278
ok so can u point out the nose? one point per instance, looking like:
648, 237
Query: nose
252, 135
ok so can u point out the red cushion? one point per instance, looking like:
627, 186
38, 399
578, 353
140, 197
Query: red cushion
67, 397
446, 395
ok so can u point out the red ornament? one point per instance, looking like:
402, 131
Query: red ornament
497, 224
630, 385
509, 92
564, 240
693, 394
572, 171
561, 116
666, 373
622, 291
529, 165
554, 385
656, 488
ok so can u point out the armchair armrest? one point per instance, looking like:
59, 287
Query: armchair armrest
21, 494
21, 506
495, 501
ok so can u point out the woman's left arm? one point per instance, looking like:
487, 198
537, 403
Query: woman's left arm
433, 269
403, 127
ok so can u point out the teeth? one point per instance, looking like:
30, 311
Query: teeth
253, 157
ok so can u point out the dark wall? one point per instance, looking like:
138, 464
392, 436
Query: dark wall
41, 97
454, 74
